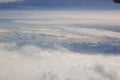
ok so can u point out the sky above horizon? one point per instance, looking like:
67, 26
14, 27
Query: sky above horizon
59, 4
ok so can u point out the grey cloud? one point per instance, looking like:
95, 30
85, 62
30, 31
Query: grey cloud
110, 75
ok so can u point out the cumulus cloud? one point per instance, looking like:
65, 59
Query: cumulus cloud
9, 1
32, 63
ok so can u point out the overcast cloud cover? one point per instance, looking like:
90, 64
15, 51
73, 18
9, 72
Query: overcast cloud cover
59, 40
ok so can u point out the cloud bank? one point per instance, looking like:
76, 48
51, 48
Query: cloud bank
76, 39
62, 17
32, 63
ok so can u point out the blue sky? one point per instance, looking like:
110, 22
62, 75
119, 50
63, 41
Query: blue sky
58, 4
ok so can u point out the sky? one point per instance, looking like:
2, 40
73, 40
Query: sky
58, 4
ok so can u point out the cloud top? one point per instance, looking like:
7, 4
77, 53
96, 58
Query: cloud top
33, 63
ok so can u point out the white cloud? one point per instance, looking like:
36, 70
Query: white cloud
64, 17
8, 1
33, 63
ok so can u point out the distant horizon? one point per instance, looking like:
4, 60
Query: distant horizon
59, 4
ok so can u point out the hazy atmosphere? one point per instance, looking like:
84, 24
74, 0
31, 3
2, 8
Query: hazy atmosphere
59, 40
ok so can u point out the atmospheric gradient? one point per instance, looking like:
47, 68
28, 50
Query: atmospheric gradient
59, 40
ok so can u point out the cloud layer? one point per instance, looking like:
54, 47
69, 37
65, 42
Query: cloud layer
32, 63
22, 38
63, 17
